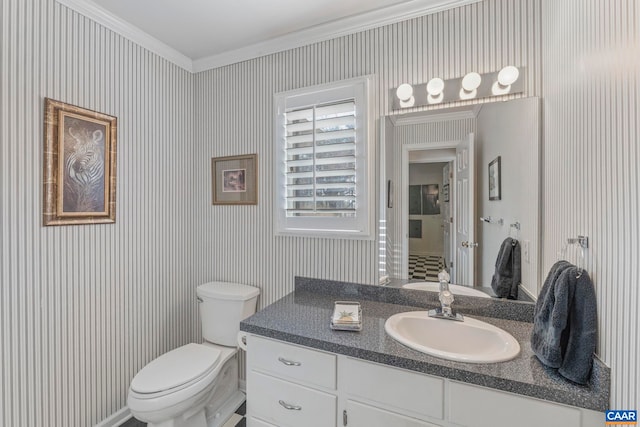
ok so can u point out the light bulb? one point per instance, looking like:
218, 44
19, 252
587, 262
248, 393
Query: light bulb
435, 99
508, 75
471, 81
435, 86
404, 92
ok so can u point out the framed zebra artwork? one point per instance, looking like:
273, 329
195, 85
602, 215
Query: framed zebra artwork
79, 165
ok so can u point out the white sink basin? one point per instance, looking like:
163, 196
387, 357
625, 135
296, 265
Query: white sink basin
471, 341
455, 289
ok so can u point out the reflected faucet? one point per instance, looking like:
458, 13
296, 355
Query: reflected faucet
446, 299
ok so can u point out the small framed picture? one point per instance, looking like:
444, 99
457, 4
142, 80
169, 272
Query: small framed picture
494, 180
234, 180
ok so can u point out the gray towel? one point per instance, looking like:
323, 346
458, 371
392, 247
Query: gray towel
565, 322
547, 324
507, 276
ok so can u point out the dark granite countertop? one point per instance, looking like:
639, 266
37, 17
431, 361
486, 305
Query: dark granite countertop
302, 317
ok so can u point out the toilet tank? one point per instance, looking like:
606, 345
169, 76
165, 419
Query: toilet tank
223, 306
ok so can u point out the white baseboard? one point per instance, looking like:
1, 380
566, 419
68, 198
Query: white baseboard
116, 419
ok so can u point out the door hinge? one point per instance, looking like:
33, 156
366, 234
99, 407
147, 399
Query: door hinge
344, 417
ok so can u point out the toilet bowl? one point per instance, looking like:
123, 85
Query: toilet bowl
196, 385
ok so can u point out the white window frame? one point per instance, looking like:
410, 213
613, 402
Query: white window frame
362, 224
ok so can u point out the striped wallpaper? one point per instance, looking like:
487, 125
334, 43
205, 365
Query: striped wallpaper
591, 95
83, 308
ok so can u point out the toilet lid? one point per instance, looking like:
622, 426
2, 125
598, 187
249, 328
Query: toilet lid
227, 291
176, 368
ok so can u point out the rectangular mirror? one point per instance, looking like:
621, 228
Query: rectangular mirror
444, 157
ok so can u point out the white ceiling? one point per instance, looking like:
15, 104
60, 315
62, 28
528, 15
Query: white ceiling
210, 33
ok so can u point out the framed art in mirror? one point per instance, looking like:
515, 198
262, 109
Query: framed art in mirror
234, 180
79, 165
494, 180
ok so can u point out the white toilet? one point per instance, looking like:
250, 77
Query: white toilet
196, 385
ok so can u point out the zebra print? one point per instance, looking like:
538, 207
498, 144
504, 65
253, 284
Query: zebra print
84, 167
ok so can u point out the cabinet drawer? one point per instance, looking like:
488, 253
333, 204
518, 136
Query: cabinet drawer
254, 422
397, 388
482, 407
291, 362
361, 415
288, 405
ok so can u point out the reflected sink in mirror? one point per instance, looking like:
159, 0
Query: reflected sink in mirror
455, 289
471, 341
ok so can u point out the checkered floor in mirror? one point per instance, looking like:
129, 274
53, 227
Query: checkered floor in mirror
236, 420
425, 267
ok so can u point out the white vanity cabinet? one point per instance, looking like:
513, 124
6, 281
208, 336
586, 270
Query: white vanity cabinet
293, 386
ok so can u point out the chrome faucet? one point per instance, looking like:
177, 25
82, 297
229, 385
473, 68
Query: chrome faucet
446, 299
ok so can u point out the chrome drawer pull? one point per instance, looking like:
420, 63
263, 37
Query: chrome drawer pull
289, 362
285, 405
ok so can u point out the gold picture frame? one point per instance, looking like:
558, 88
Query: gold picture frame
79, 165
234, 180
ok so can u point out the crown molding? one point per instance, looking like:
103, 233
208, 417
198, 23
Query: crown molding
330, 30
319, 33
129, 31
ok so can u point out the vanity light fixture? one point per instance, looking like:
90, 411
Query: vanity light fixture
435, 90
405, 95
470, 87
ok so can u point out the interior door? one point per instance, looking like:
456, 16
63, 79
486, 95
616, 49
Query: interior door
465, 212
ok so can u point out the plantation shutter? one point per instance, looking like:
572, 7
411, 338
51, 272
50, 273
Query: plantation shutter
320, 160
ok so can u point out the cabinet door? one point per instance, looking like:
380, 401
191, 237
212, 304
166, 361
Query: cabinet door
401, 390
481, 407
287, 404
361, 415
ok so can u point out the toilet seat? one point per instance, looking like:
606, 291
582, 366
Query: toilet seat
176, 370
